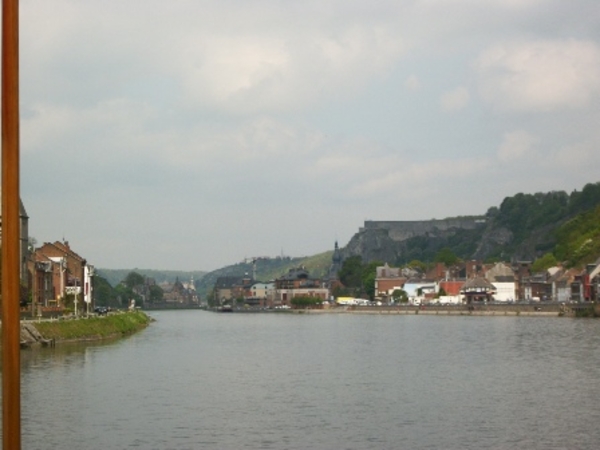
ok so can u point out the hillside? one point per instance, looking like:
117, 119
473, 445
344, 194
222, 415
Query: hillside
559, 226
578, 240
268, 269
523, 227
115, 276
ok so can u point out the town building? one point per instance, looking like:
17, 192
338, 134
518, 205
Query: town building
477, 290
179, 294
297, 283
228, 289
387, 280
57, 271
502, 277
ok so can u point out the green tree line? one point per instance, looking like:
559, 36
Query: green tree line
132, 287
534, 222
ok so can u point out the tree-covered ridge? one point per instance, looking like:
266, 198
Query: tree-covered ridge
524, 226
115, 276
578, 240
113, 285
268, 269
125, 290
523, 213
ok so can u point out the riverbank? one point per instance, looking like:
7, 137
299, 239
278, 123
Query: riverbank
92, 328
432, 312
533, 310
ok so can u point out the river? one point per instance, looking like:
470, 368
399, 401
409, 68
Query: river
201, 380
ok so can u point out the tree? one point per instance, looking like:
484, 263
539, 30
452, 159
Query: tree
446, 256
351, 272
417, 265
305, 301
341, 291
133, 279
104, 294
359, 277
400, 296
124, 294
544, 263
369, 273
578, 240
156, 294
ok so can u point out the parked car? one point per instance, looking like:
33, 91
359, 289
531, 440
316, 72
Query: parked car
101, 310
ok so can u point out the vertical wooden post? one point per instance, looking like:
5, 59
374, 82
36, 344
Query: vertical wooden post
11, 356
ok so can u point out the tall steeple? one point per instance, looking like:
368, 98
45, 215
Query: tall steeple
336, 262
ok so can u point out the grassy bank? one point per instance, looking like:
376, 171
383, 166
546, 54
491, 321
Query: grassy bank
113, 325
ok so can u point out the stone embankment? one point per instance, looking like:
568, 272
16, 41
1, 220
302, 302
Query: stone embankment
534, 310
30, 336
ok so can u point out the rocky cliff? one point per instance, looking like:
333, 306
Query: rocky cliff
396, 241
523, 227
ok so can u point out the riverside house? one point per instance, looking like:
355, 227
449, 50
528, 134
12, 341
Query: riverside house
499, 282
57, 271
297, 283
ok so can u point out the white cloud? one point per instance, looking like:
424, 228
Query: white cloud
412, 83
249, 73
236, 58
455, 100
111, 125
221, 110
516, 145
578, 157
540, 75
383, 175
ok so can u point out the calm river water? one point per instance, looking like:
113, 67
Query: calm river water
200, 380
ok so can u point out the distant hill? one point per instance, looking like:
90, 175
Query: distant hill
523, 227
115, 276
268, 269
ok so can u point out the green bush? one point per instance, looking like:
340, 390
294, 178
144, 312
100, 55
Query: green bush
305, 301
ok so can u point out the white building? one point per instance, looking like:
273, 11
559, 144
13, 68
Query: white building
503, 279
262, 290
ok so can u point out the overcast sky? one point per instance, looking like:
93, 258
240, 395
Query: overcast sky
192, 134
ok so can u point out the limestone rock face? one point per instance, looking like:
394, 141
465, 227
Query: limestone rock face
491, 239
479, 238
386, 240
371, 245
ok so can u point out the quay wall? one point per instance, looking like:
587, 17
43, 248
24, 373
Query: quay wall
537, 310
